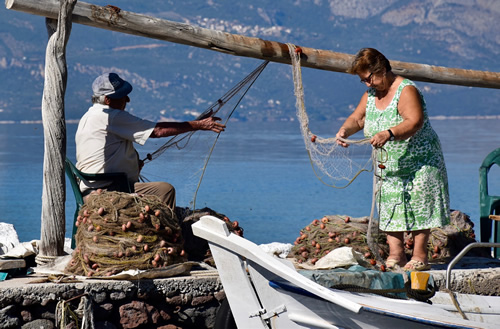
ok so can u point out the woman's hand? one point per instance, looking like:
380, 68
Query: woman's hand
380, 139
342, 133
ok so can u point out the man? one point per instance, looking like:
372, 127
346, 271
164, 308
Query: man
106, 133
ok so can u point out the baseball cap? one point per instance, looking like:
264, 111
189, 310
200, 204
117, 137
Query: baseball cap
111, 85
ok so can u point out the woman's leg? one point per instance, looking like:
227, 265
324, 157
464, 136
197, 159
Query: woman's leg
396, 249
421, 239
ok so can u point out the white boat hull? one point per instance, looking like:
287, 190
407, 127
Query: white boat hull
266, 292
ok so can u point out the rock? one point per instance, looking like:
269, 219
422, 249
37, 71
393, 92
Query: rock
104, 325
40, 323
201, 300
133, 315
8, 237
7, 318
27, 316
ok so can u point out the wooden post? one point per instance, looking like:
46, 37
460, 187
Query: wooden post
115, 19
54, 125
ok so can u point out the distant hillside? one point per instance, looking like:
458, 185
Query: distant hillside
173, 81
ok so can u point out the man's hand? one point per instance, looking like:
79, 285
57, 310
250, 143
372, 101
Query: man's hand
210, 123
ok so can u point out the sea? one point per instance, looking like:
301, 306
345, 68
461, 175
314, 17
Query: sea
258, 174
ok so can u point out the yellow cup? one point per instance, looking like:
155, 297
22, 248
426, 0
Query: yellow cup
419, 280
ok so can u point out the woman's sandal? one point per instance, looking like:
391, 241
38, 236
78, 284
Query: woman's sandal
392, 264
416, 265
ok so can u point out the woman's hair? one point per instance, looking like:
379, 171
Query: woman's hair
98, 99
369, 59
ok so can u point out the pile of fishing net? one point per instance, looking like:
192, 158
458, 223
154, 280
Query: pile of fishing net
119, 231
447, 242
197, 248
331, 232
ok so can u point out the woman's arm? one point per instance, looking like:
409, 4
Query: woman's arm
410, 109
355, 122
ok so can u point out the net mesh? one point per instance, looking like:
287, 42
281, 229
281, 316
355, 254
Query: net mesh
323, 235
333, 164
189, 153
120, 231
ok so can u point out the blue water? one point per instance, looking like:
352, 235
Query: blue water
259, 174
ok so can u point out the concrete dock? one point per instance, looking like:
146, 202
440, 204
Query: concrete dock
181, 302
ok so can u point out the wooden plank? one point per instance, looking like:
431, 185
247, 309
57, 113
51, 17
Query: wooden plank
114, 19
7, 264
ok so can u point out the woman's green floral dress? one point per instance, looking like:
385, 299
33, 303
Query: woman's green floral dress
414, 190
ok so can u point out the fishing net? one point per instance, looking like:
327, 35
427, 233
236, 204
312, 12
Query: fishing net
334, 165
119, 231
197, 248
448, 241
331, 232
186, 169
337, 166
323, 235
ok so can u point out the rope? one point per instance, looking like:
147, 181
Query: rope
213, 109
44, 260
455, 303
417, 294
64, 314
252, 77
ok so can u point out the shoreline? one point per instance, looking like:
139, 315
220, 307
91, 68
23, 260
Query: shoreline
435, 117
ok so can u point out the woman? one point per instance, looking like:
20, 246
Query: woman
413, 194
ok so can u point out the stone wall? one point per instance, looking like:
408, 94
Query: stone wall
181, 302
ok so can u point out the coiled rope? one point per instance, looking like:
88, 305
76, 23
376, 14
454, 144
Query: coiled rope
417, 294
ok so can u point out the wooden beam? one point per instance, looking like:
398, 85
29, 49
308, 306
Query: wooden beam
114, 19
54, 131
